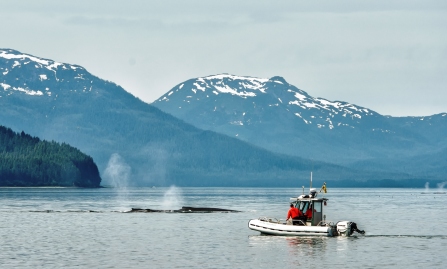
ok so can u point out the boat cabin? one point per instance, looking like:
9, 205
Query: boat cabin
311, 206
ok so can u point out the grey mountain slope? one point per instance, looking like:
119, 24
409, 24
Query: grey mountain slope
276, 115
135, 143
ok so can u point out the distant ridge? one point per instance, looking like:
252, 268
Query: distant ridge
273, 114
134, 143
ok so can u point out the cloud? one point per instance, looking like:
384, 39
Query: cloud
112, 22
341, 50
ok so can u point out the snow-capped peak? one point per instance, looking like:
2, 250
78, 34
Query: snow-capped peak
253, 94
8, 55
233, 77
27, 74
26, 58
234, 85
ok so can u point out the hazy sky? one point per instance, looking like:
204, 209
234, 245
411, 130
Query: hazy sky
389, 56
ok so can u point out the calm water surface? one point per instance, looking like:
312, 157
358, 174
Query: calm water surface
86, 228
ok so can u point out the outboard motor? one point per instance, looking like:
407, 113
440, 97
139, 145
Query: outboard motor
313, 193
355, 229
347, 228
343, 228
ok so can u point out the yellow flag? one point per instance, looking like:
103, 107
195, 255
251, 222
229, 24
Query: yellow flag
323, 188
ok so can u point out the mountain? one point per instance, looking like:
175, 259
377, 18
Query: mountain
134, 143
27, 161
273, 114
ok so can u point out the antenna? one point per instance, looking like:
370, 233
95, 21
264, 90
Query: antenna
310, 181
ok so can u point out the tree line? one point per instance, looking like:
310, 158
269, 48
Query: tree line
27, 161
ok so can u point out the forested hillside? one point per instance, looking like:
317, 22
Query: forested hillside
136, 144
277, 116
28, 161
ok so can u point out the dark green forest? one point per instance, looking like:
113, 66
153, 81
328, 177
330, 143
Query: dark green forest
27, 161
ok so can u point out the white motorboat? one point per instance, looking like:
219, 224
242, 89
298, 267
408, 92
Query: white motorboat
314, 225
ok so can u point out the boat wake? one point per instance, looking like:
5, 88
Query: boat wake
408, 236
266, 236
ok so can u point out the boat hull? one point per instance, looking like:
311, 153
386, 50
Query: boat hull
277, 228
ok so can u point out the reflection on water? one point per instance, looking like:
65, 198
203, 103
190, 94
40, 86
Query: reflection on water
308, 242
306, 246
303, 245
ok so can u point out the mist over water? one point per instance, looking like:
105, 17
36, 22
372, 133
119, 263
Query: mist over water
117, 175
117, 172
172, 199
441, 185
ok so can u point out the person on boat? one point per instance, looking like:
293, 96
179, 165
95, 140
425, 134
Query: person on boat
309, 212
293, 214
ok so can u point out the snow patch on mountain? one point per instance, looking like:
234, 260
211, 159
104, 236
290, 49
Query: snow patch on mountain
265, 93
5, 86
252, 80
7, 54
26, 59
30, 75
199, 87
244, 87
27, 91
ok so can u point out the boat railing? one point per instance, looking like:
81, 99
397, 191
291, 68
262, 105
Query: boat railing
302, 223
326, 223
271, 220
283, 221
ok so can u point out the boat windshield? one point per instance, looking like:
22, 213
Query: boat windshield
303, 206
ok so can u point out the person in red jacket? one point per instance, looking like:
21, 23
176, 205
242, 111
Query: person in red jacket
309, 212
293, 214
